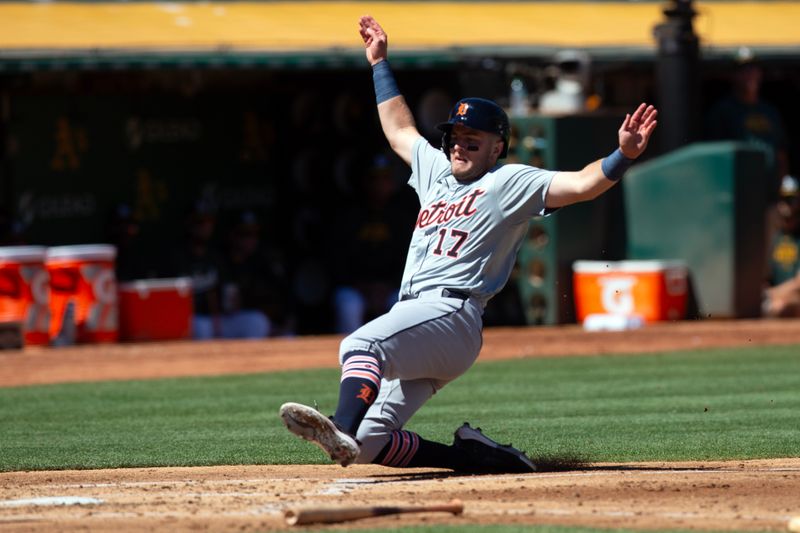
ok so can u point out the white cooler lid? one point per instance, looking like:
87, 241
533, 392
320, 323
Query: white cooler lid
644, 265
138, 285
22, 253
96, 252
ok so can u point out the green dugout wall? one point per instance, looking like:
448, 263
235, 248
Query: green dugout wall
704, 204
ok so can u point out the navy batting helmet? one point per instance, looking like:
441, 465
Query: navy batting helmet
479, 114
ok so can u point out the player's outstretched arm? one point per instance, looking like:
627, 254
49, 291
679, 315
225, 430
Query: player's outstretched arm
597, 177
395, 116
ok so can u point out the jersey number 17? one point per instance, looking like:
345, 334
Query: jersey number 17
457, 234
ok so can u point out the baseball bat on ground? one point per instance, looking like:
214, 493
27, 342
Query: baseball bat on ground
331, 515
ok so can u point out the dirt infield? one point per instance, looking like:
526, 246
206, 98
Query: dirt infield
738, 495
751, 495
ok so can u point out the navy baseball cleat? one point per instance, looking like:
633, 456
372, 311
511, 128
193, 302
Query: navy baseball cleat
487, 456
309, 424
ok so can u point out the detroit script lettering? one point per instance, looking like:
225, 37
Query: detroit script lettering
442, 212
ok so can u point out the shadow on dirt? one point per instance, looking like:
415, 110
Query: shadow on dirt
544, 465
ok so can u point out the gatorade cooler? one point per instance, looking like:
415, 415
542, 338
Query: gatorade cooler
647, 291
155, 309
83, 293
25, 292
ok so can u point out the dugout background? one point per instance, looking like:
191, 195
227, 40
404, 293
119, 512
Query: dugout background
287, 143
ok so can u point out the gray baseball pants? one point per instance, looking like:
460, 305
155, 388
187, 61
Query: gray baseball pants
423, 344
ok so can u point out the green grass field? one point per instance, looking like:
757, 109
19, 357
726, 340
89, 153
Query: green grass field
712, 404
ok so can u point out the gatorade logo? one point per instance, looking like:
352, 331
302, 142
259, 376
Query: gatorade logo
38, 318
617, 294
102, 315
39, 281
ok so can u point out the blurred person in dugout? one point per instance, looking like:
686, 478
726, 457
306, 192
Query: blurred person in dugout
743, 115
372, 233
122, 231
782, 296
255, 288
196, 257
12, 231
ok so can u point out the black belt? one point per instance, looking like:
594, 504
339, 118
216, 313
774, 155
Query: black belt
446, 293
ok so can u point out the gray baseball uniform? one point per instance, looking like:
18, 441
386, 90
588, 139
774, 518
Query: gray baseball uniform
462, 251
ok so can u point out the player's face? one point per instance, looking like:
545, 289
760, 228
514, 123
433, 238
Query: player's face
472, 152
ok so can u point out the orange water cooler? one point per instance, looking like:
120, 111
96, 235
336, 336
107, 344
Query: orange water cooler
639, 291
83, 293
25, 292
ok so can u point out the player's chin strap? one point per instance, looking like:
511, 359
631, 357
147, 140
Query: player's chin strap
446, 143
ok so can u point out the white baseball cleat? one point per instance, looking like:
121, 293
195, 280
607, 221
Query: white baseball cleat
309, 424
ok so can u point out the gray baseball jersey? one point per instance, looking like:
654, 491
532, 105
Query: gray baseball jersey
466, 239
467, 235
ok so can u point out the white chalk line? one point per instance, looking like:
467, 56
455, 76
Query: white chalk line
343, 486
50, 501
60, 501
256, 511
245, 513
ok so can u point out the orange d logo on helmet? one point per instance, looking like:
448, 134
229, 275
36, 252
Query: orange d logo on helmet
462, 109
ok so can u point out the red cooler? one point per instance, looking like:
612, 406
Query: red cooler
24, 291
155, 309
83, 287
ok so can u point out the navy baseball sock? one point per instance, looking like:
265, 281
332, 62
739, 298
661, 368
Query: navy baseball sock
361, 380
406, 449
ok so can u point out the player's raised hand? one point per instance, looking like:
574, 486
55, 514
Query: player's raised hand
375, 39
636, 129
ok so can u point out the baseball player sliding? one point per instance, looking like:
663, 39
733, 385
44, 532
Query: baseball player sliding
473, 218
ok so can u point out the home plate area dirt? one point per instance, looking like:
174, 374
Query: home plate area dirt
734, 495
741, 495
